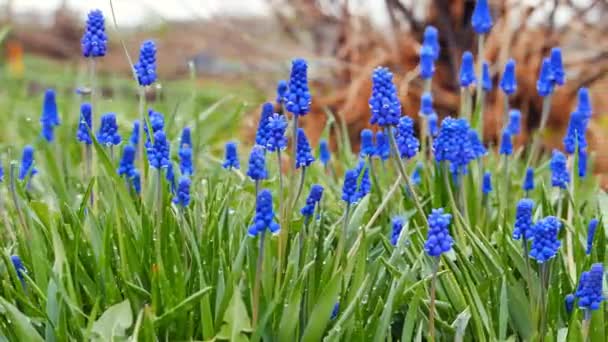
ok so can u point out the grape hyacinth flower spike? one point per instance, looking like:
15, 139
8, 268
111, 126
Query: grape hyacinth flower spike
407, 143
158, 152
145, 68
481, 20
476, 145
383, 148
559, 172
384, 103
231, 159
94, 42
545, 241
545, 82
467, 70
304, 155
257, 165
514, 122
426, 103
591, 234
83, 134
107, 134
50, 116
506, 145
324, 152
182, 197
186, 165
316, 192
134, 139
282, 87
528, 180
583, 104
431, 38
19, 268
487, 183
276, 125
427, 63
453, 143
397, 225
523, 220
569, 302
557, 67
367, 143
508, 82
127, 162
590, 294
170, 177
261, 136
416, 177
297, 97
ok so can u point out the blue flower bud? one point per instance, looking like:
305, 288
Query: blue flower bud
397, 224
591, 234
383, 148
545, 82
523, 220
316, 192
559, 172
264, 215
407, 143
367, 143
324, 152
427, 62
182, 197
127, 162
83, 134
27, 168
431, 39
487, 183
145, 68
304, 155
569, 302
481, 20
134, 139
529, 180
467, 70
262, 134
231, 157
506, 146
508, 82
557, 66
158, 152
297, 96
257, 164
514, 127
438, 239
94, 41
282, 87
108, 130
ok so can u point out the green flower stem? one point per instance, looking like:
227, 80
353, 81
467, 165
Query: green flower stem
586, 324
404, 176
342, 238
280, 175
13, 190
258, 279
432, 304
571, 207
544, 275
90, 168
300, 187
142, 138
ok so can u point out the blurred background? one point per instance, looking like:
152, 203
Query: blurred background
245, 47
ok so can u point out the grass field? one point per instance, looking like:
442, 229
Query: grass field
101, 262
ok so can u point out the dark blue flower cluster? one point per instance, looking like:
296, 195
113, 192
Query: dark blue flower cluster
304, 155
108, 130
383, 147
508, 82
431, 38
467, 70
575, 133
545, 241
127, 162
231, 160
481, 20
569, 302
27, 168
523, 219
94, 41
529, 180
264, 215
363, 173
384, 102
50, 116
589, 291
156, 120
276, 126
186, 166
297, 97
559, 172
158, 152
134, 139
83, 134
478, 149
545, 82
438, 239
136, 181
427, 62
487, 183
591, 234
324, 153
557, 67
582, 163
367, 143
316, 192
514, 126
145, 68
506, 145
397, 224
19, 268
453, 143
282, 87
182, 197
170, 177
261, 136
257, 164
407, 143
353, 190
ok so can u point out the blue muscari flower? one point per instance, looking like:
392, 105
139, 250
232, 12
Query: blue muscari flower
487, 183
397, 224
365, 186
438, 239
514, 122
416, 177
182, 197
261, 136
523, 220
383, 148
582, 163
349, 189
431, 38
94, 41
156, 120
145, 68
108, 130
481, 20
367, 143
170, 177
297, 96
506, 145
407, 143
134, 139
136, 180
478, 149
231, 157
384, 102
589, 291
575, 133
126, 167
433, 126
83, 134
316, 192
584, 103
264, 215
426, 103
559, 172
304, 156
282, 87
545, 239
158, 152
19, 268
335, 311
557, 66
427, 62
186, 139
508, 82
545, 82
49, 117
186, 166
27, 163
529, 180
486, 78
591, 234
257, 164
1, 173
467, 70
569, 302
276, 126
324, 153
453, 143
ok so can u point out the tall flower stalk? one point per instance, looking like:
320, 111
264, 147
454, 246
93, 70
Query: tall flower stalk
145, 70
